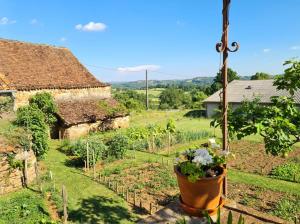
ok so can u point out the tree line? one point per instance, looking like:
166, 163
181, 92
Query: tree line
181, 95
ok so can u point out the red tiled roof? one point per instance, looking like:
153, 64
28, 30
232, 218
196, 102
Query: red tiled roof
73, 112
27, 66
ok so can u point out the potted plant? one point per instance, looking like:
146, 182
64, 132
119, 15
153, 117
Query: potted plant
200, 174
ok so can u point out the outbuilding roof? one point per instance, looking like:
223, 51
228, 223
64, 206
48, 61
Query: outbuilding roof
240, 90
72, 112
28, 66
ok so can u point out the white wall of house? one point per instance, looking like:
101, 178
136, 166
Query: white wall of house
212, 107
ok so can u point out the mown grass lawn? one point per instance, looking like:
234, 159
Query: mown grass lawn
88, 201
25, 206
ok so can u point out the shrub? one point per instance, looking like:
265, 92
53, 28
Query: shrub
95, 144
118, 146
6, 103
45, 102
131, 99
289, 171
33, 119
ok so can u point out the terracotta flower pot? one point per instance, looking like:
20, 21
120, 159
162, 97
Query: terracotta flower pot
203, 195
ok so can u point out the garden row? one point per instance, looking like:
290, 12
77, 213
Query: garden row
151, 139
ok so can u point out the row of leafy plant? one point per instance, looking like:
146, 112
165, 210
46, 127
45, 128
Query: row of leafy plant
150, 138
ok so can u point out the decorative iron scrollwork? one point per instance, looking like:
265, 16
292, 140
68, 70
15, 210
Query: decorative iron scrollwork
220, 47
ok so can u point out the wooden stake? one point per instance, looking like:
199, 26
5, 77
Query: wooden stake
65, 203
141, 203
87, 156
150, 207
127, 195
25, 168
38, 181
50, 175
100, 177
169, 143
134, 197
117, 188
94, 165
85, 166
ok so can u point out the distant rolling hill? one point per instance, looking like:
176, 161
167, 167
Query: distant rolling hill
140, 84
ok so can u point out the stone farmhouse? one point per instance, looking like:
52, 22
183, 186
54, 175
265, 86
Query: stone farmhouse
240, 90
27, 69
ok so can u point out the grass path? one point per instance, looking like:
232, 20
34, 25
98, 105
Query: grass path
89, 202
264, 182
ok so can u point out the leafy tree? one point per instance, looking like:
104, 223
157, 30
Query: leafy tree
217, 83
45, 102
33, 119
131, 99
197, 98
172, 98
261, 76
278, 123
290, 80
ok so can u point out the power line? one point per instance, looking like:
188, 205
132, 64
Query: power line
158, 72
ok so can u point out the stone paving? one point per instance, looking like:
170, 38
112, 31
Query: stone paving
173, 213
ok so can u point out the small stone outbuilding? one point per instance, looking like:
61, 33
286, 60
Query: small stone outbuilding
79, 117
27, 69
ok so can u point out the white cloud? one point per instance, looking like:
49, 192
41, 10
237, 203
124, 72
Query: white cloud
139, 68
63, 39
294, 48
266, 50
6, 21
91, 26
33, 21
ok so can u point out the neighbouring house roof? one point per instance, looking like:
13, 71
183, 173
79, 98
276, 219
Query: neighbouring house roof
240, 90
80, 111
28, 66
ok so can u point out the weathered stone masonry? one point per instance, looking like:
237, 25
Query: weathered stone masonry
12, 179
21, 97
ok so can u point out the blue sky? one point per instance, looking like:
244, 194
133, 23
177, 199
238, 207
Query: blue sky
176, 37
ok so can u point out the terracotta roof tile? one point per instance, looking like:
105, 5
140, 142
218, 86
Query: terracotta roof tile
73, 112
27, 66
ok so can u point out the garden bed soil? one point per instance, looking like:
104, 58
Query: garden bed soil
251, 157
149, 188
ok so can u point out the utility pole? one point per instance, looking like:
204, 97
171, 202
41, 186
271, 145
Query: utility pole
147, 99
222, 47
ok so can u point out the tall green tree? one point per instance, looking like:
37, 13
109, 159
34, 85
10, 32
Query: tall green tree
217, 83
171, 98
261, 76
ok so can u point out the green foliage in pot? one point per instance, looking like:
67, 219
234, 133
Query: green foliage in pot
203, 162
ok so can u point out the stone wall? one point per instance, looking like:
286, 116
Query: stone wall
12, 179
22, 97
79, 130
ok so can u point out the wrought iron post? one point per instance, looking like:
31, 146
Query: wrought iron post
222, 47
